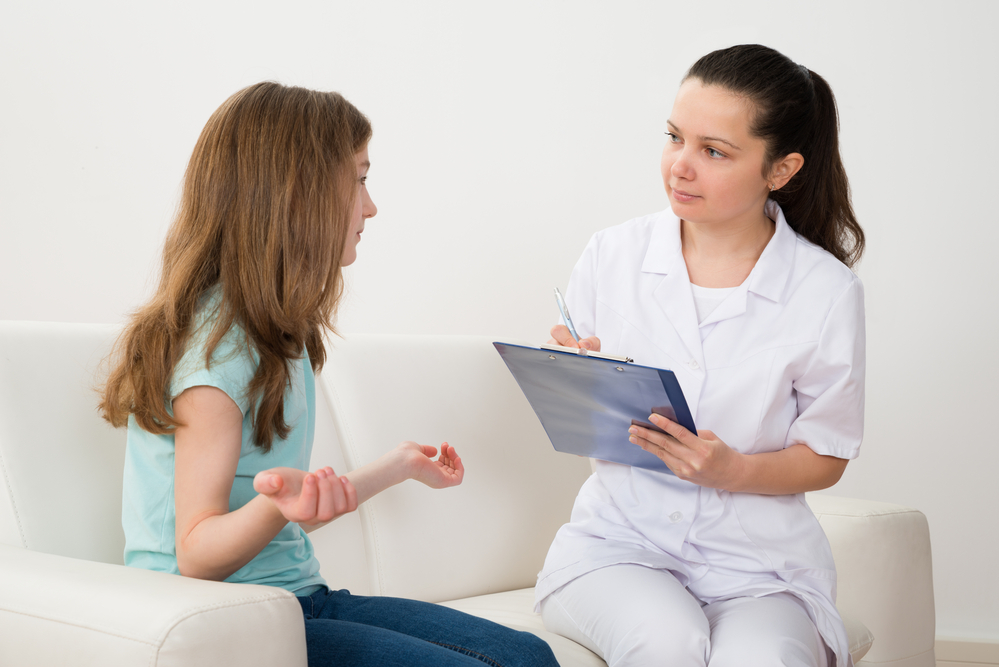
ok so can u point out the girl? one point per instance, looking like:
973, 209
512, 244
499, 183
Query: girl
743, 289
215, 380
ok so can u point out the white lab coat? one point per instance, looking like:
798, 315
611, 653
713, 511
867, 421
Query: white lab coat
779, 362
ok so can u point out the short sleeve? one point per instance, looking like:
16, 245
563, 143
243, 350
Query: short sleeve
830, 392
232, 367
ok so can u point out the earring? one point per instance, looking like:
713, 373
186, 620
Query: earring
771, 187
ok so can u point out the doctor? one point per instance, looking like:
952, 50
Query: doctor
743, 288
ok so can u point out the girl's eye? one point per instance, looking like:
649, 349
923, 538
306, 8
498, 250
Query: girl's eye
713, 153
673, 139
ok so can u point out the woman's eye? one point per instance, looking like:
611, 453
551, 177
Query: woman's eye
713, 153
673, 139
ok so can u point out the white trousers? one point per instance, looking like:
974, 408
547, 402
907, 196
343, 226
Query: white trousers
632, 615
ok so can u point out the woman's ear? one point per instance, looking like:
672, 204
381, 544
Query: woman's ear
784, 169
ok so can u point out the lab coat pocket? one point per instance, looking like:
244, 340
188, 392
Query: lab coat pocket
785, 530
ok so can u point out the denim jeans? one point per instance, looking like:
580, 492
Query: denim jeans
345, 630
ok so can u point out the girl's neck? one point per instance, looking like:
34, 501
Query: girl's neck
723, 255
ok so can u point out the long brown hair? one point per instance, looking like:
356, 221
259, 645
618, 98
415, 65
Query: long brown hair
264, 216
795, 113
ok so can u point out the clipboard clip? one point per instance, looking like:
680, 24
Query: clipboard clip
578, 351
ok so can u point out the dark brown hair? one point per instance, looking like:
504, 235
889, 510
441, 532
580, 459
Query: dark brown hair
264, 216
795, 112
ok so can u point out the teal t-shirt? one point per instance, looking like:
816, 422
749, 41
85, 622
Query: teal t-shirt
148, 511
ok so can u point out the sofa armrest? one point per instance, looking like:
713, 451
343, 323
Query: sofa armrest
56, 610
885, 575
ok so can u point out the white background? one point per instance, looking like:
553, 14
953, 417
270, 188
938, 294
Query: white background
505, 135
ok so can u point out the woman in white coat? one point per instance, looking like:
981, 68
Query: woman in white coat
744, 289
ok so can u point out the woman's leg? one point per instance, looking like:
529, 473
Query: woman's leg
344, 629
630, 615
772, 631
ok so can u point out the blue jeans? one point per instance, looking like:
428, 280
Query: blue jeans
344, 630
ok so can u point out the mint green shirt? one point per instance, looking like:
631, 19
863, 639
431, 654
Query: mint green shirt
148, 511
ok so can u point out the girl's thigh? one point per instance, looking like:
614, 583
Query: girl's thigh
773, 631
343, 629
631, 615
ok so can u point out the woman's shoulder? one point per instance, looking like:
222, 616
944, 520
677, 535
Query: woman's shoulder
817, 266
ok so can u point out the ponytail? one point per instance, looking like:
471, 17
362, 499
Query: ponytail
795, 113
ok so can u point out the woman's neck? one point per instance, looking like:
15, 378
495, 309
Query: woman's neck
724, 255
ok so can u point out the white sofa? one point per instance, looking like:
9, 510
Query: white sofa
65, 598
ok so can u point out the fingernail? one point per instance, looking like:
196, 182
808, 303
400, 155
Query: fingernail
633, 440
654, 418
632, 430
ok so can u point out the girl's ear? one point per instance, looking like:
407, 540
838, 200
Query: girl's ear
784, 169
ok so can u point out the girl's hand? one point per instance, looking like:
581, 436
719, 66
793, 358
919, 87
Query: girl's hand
702, 459
419, 464
561, 336
310, 499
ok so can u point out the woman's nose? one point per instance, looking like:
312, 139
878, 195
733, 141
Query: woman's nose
681, 167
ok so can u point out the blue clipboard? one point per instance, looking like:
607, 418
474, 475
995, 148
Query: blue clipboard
586, 403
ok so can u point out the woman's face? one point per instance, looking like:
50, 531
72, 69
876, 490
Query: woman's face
364, 208
712, 165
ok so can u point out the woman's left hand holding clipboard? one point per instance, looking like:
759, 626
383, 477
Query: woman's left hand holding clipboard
701, 458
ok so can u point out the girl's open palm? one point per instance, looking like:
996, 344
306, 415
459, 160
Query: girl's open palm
307, 498
447, 470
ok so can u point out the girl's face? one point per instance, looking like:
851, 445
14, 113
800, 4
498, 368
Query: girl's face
364, 208
712, 166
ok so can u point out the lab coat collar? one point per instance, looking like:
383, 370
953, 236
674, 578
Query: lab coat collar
768, 278
773, 269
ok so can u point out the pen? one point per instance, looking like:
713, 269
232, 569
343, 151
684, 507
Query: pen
565, 314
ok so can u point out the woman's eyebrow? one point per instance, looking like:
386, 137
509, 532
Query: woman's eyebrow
718, 139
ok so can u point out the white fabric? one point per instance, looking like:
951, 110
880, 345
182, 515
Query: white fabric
779, 362
706, 299
634, 616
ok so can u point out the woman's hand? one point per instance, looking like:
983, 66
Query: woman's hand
418, 460
707, 461
311, 499
702, 458
561, 336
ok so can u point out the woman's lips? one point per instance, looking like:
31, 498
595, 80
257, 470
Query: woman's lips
682, 196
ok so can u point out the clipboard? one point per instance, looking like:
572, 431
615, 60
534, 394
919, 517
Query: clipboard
587, 402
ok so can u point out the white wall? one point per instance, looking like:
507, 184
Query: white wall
505, 135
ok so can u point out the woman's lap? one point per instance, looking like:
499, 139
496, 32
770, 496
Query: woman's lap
343, 629
634, 615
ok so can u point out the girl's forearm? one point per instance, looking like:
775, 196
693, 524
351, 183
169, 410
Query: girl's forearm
220, 544
386, 471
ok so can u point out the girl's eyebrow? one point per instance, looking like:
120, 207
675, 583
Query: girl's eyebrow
718, 139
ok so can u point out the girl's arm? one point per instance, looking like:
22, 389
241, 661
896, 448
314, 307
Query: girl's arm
407, 461
212, 542
707, 461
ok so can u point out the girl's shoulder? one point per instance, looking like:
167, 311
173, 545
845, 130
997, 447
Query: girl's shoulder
232, 361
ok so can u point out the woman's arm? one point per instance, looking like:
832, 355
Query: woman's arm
212, 542
707, 461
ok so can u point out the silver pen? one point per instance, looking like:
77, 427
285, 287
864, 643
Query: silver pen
565, 314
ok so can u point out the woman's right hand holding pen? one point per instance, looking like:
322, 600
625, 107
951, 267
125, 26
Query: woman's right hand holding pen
561, 336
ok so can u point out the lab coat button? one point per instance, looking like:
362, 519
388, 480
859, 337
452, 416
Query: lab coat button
693, 365
675, 517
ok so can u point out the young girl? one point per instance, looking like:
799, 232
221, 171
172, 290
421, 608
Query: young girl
215, 381
743, 289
